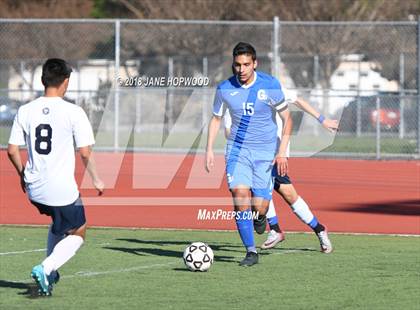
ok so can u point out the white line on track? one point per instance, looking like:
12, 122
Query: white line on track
22, 252
214, 230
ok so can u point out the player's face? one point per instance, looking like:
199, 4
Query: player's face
244, 67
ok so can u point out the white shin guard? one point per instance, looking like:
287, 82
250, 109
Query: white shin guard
302, 211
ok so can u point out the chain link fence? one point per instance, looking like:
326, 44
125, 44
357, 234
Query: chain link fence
364, 74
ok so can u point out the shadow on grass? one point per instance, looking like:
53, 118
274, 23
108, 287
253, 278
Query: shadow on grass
163, 252
181, 269
287, 250
216, 246
159, 250
400, 207
30, 290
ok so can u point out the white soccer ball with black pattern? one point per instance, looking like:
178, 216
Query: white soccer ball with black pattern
198, 256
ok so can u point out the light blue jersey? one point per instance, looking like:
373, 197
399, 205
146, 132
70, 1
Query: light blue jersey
252, 109
252, 143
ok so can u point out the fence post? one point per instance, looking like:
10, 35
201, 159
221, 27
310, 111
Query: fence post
276, 47
358, 107
204, 107
401, 95
378, 128
117, 87
169, 98
138, 103
418, 85
316, 71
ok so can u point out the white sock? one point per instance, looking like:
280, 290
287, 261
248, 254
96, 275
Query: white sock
63, 251
301, 209
53, 239
271, 210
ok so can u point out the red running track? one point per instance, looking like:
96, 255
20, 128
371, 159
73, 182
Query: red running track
167, 190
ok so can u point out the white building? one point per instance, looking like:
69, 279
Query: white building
352, 78
83, 82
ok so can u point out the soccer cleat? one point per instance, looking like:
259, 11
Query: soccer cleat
54, 277
250, 259
260, 224
324, 241
41, 279
273, 238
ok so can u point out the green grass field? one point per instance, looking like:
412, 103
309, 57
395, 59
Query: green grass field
143, 269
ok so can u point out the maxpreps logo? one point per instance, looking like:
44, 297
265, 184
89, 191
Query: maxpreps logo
219, 214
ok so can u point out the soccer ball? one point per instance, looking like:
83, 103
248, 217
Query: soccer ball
198, 256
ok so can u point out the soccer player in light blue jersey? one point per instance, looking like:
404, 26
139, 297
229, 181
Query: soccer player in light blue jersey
283, 184
253, 99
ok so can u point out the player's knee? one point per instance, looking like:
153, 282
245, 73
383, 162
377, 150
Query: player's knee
241, 199
81, 232
240, 193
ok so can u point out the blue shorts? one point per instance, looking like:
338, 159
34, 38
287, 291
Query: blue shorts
64, 218
245, 166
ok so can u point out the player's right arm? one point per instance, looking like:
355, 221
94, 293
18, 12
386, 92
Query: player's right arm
214, 125
211, 137
329, 124
291, 97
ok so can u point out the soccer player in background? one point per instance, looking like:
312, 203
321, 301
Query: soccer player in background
48, 126
252, 148
285, 188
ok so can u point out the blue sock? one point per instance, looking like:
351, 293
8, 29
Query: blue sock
245, 227
272, 220
314, 223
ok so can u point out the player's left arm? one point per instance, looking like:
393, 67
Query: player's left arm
90, 164
17, 138
281, 157
83, 136
329, 124
14, 156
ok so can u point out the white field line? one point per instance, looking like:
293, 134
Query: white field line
23, 252
137, 268
105, 272
214, 230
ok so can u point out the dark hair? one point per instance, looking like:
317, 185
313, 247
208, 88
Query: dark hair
54, 72
243, 48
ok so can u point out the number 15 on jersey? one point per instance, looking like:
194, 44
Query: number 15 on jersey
248, 108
